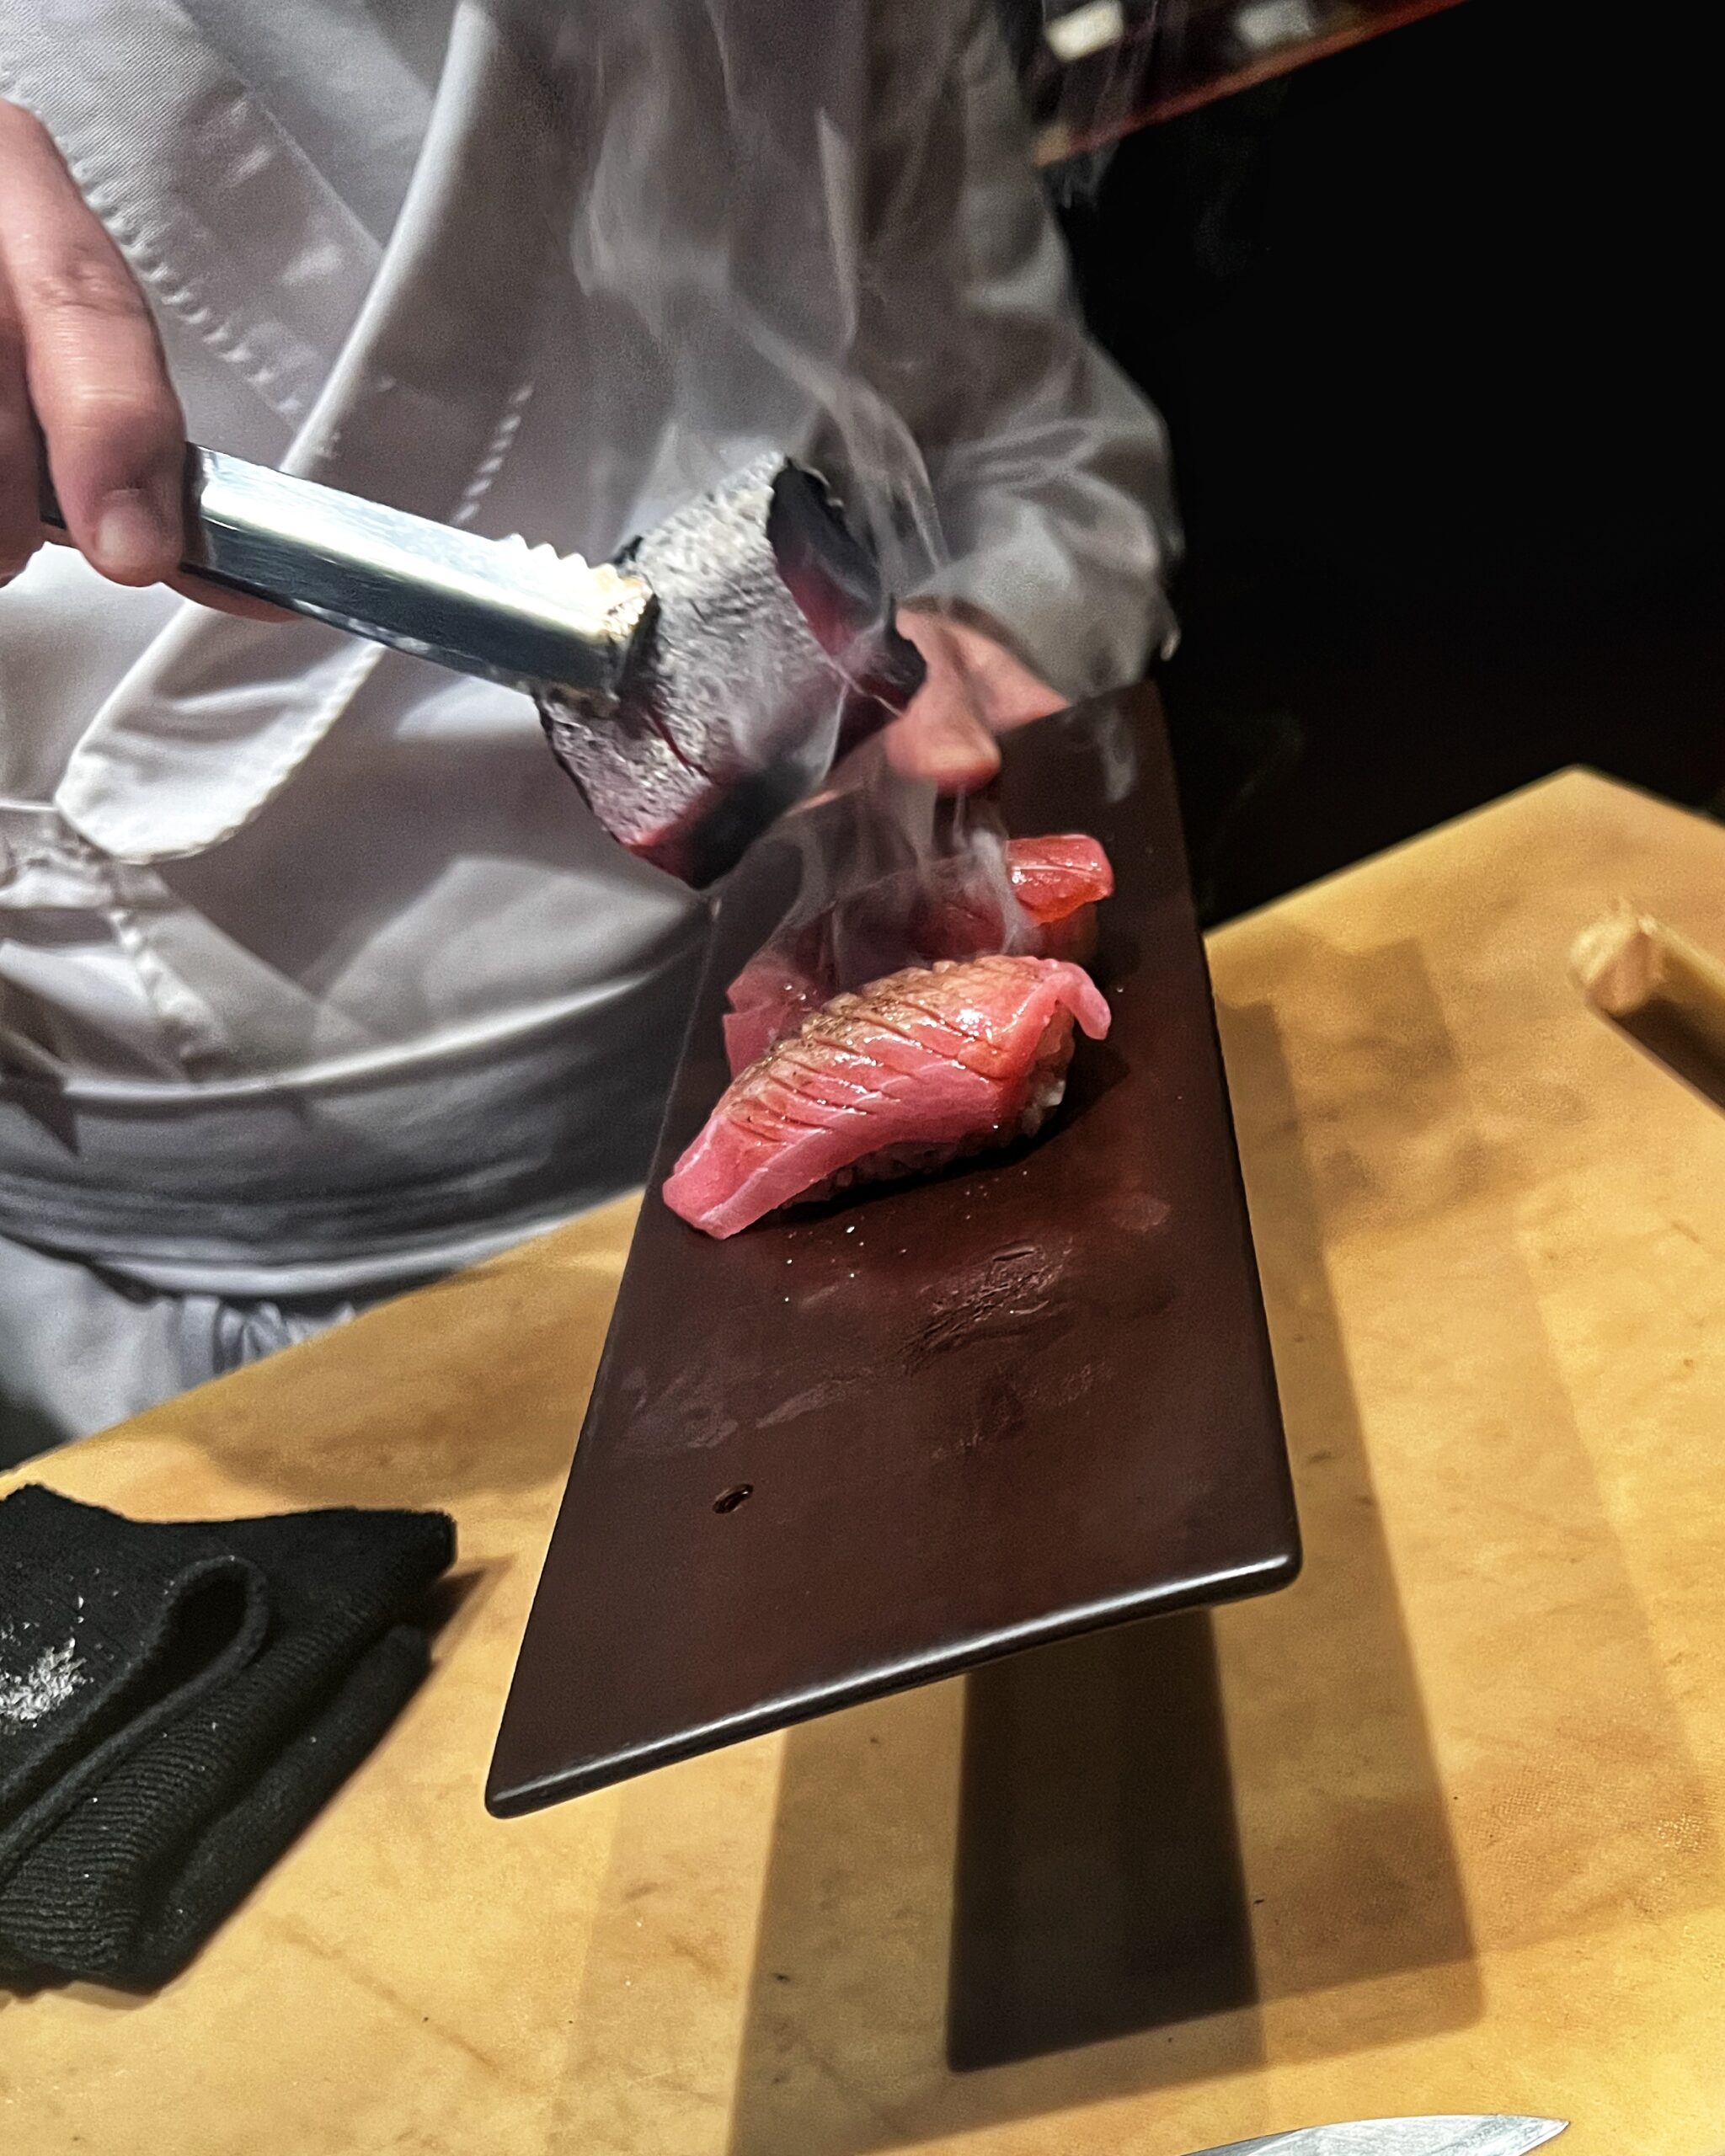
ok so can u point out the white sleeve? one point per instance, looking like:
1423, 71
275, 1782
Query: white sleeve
1050, 472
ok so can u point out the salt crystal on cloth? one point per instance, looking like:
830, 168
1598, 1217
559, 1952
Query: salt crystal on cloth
29, 1690
177, 1699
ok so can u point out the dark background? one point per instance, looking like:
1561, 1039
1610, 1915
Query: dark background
1431, 323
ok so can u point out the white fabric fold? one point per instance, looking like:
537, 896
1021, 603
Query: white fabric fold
416, 409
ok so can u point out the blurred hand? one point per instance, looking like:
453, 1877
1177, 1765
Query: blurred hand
975, 688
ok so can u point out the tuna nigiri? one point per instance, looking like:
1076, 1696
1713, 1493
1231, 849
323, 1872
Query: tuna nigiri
896, 1079
953, 911
1058, 883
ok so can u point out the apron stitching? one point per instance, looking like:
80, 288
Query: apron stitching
190, 1026
287, 757
508, 426
496, 455
226, 337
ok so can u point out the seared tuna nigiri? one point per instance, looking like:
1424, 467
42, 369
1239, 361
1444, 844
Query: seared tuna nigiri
896, 1080
952, 910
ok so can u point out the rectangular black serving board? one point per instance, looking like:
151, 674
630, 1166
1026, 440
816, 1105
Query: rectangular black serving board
864, 1446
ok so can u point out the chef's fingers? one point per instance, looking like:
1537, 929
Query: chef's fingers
1003, 688
939, 737
214, 595
97, 381
974, 688
942, 733
18, 536
228, 602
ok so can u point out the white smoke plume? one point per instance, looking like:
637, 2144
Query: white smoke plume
736, 268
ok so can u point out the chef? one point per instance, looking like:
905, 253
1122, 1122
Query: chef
317, 979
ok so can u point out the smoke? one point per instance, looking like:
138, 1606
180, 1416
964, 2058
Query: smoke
744, 170
894, 877
768, 246
736, 179
886, 876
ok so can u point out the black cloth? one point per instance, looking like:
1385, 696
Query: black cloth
176, 1702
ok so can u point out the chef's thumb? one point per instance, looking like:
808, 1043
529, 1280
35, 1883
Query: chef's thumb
90, 363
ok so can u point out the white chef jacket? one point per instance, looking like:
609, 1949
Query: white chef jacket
315, 972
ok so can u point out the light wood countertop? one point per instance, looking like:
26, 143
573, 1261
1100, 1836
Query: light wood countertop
1436, 1830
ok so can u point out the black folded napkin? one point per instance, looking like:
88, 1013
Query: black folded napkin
176, 1702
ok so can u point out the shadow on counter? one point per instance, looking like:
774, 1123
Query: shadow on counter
1049, 1895
1100, 1888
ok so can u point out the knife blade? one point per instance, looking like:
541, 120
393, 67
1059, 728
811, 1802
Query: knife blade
1495, 2134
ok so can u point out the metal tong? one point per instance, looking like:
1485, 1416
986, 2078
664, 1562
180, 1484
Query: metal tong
526, 616
694, 688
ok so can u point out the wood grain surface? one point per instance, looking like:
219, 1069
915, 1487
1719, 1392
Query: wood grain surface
1438, 1829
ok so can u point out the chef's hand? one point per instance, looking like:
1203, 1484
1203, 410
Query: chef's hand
976, 688
82, 374
82, 379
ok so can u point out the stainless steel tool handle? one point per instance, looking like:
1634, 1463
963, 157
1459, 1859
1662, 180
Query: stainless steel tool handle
523, 615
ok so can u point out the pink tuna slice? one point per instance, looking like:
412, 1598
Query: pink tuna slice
907, 1074
1058, 881
1053, 877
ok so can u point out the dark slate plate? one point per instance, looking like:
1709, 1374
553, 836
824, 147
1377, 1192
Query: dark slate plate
1025, 1400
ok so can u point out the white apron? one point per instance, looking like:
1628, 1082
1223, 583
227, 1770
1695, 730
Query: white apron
315, 975
232, 1129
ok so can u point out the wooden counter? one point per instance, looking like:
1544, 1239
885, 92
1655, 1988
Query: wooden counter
1436, 1830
